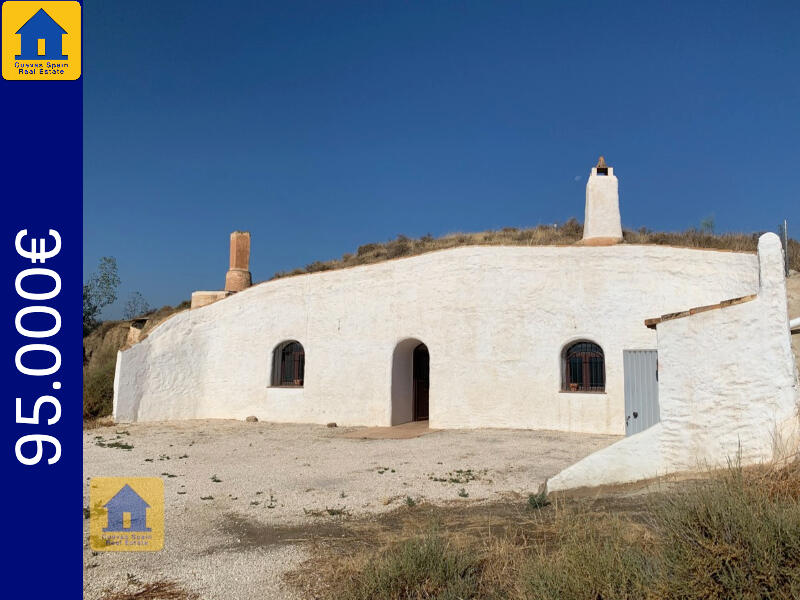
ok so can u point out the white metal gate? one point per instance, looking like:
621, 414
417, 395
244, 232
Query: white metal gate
641, 389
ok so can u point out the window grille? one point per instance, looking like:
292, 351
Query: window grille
584, 368
288, 365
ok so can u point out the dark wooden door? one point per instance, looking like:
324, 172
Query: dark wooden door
421, 370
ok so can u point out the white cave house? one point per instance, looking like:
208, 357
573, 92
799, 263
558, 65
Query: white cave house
687, 349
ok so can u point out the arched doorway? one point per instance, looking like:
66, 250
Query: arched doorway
421, 368
410, 382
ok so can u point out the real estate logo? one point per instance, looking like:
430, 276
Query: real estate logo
126, 514
41, 41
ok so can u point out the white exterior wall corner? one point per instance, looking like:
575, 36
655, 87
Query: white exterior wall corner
495, 320
630, 459
727, 390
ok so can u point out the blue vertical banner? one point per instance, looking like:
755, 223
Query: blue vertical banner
41, 96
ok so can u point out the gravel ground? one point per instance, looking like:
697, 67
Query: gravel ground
277, 482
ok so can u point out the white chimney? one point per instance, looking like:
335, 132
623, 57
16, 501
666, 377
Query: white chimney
602, 223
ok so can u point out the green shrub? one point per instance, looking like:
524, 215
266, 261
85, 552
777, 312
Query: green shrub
538, 500
730, 537
592, 558
419, 568
734, 534
98, 390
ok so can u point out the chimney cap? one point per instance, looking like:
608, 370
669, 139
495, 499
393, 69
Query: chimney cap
602, 168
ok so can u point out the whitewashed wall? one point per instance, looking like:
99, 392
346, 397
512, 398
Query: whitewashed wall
495, 320
727, 389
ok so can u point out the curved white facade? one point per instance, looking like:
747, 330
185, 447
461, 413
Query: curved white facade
495, 321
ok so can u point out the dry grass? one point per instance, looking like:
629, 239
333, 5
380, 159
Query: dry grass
159, 590
98, 422
567, 233
592, 556
98, 388
100, 358
734, 533
423, 567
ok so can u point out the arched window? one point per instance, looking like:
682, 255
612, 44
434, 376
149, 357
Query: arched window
584, 368
288, 364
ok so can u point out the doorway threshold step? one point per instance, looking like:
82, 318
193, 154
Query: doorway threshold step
406, 431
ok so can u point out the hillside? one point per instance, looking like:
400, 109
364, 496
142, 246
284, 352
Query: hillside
100, 349
564, 234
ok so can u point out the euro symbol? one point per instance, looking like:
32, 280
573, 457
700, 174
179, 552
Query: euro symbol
41, 254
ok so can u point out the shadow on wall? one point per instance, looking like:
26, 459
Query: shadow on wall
403, 381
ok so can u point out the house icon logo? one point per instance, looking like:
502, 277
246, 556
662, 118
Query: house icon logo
126, 514
41, 38
41, 41
128, 503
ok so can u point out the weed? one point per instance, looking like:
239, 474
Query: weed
731, 537
159, 590
120, 445
463, 493
459, 476
733, 533
591, 557
538, 500
333, 512
425, 567
115, 444
98, 388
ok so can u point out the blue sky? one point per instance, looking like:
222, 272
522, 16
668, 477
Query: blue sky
320, 126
